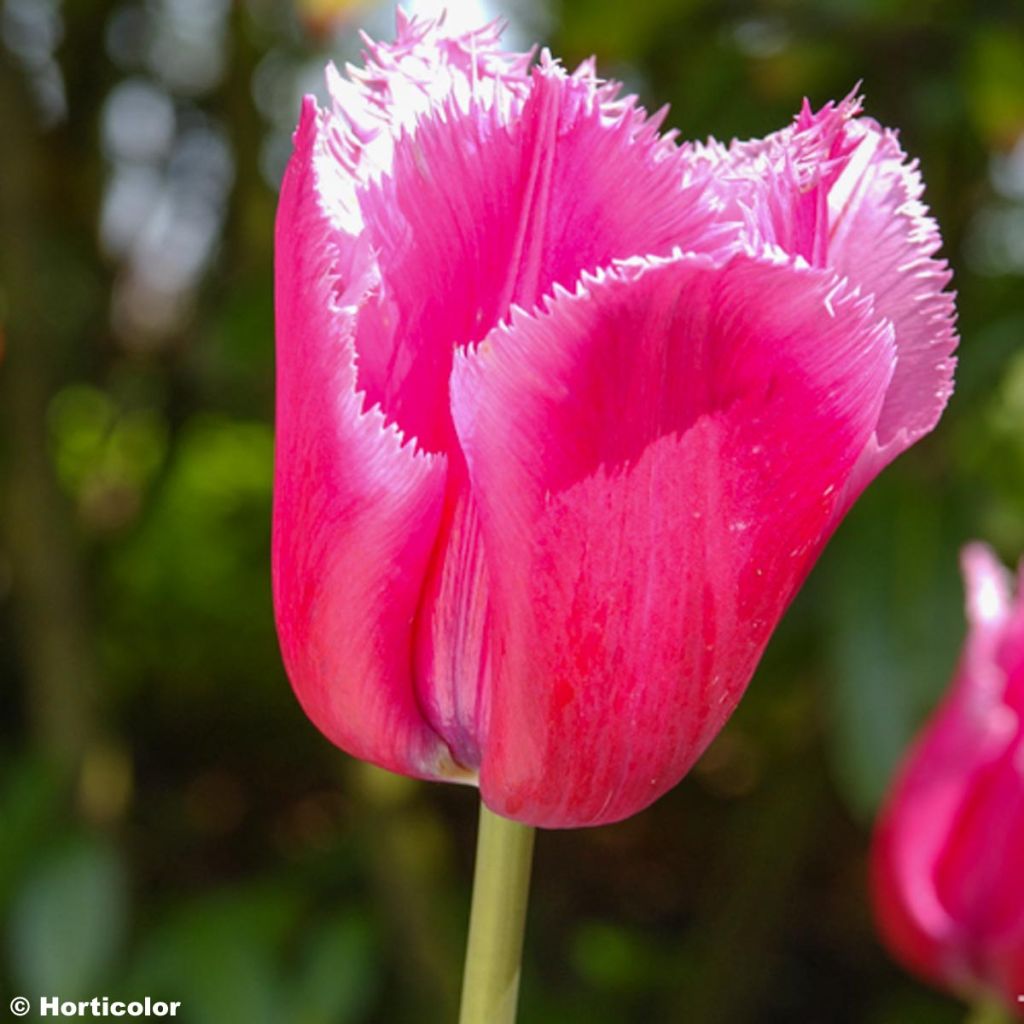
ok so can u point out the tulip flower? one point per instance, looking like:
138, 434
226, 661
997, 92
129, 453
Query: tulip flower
948, 854
566, 410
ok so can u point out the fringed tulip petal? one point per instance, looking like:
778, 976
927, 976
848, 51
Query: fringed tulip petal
948, 892
400, 82
476, 215
356, 510
883, 240
656, 460
838, 190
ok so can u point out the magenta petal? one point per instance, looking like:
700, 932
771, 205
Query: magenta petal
656, 461
947, 892
982, 863
837, 189
425, 68
883, 239
476, 214
547, 533
453, 637
356, 510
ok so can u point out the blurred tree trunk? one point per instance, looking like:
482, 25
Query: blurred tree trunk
37, 527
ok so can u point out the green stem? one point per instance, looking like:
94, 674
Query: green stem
989, 1011
490, 984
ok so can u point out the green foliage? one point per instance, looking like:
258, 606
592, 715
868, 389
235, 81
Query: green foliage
337, 975
995, 84
30, 808
104, 456
613, 959
894, 622
68, 920
238, 954
193, 577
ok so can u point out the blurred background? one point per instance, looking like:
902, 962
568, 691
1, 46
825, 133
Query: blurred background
170, 823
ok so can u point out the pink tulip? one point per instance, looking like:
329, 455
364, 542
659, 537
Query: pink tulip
566, 411
948, 857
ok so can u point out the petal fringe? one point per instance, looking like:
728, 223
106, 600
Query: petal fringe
837, 190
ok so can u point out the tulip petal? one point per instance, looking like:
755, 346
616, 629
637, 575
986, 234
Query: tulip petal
883, 239
453, 210
954, 821
356, 510
453, 636
977, 876
838, 190
475, 216
656, 461
423, 69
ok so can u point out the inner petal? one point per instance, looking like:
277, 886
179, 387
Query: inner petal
481, 212
837, 189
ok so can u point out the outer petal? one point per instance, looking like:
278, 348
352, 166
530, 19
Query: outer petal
1007, 966
656, 460
838, 190
947, 893
355, 511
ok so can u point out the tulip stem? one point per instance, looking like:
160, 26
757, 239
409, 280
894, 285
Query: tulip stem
497, 918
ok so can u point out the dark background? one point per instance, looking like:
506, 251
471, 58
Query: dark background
170, 823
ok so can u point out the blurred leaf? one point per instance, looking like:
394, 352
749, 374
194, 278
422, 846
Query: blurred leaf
105, 456
616, 31
995, 84
68, 922
992, 348
989, 444
224, 958
194, 578
917, 1006
894, 608
337, 976
29, 805
219, 956
81, 418
615, 959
